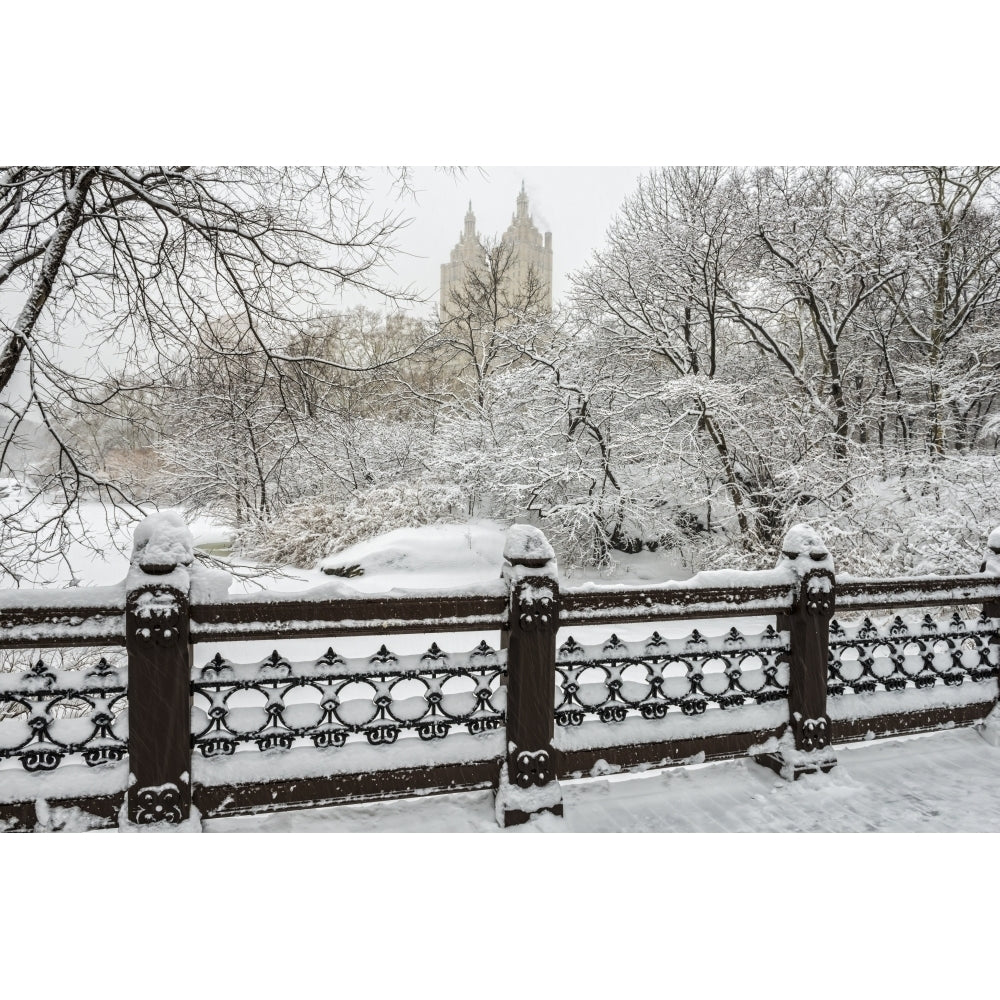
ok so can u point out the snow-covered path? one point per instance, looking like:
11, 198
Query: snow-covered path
944, 782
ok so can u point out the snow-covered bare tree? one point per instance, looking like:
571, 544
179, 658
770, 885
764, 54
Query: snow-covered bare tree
787, 315
108, 275
947, 297
492, 297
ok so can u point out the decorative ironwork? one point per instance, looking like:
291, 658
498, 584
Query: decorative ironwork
334, 698
159, 804
532, 768
536, 602
810, 734
867, 656
817, 592
158, 612
47, 715
650, 677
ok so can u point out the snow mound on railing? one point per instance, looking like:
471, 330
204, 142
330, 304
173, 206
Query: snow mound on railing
707, 579
162, 539
441, 554
527, 544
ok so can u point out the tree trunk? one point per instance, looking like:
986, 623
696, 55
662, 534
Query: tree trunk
42, 286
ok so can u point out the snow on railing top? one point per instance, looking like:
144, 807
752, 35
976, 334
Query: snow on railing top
44, 681
710, 593
335, 590
339, 608
110, 598
75, 616
870, 593
163, 555
711, 579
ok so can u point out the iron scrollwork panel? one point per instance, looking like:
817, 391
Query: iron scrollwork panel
651, 677
377, 697
50, 715
899, 653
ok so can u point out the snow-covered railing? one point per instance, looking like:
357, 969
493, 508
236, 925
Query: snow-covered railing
712, 594
325, 609
520, 715
910, 674
77, 616
877, 594
609, 680
51, 714
377, 698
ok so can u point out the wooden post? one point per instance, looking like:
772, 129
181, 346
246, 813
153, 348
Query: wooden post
159, 673
527, 784
806, 746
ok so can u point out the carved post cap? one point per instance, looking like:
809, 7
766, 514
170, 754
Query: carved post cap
161, 542
802, 550
527, 546
993, 549
991, 565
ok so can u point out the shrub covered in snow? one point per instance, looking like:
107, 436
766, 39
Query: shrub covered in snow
312, 528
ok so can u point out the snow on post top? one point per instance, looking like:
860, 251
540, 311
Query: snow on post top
161, 542
992, 564
527, 546
802, 550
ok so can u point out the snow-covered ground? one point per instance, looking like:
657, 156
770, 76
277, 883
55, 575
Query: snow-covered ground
941, 782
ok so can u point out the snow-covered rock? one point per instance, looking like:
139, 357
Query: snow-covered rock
430, 556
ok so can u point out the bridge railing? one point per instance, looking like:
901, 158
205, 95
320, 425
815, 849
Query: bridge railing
173, 720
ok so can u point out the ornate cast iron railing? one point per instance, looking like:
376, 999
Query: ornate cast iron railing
280, 734
49, 715
892, 655
376, 698
649, 678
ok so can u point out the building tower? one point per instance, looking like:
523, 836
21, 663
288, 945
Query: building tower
466, 255
531, 261
532, 252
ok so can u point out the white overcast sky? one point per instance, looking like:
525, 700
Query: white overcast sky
575, 204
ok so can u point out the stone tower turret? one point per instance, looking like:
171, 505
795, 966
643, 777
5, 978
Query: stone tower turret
531, 264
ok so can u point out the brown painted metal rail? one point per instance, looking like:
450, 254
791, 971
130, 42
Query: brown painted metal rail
608, 607
909, 592
294, 619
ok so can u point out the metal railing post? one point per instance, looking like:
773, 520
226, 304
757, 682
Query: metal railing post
527, 784
806, 746
159, 650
